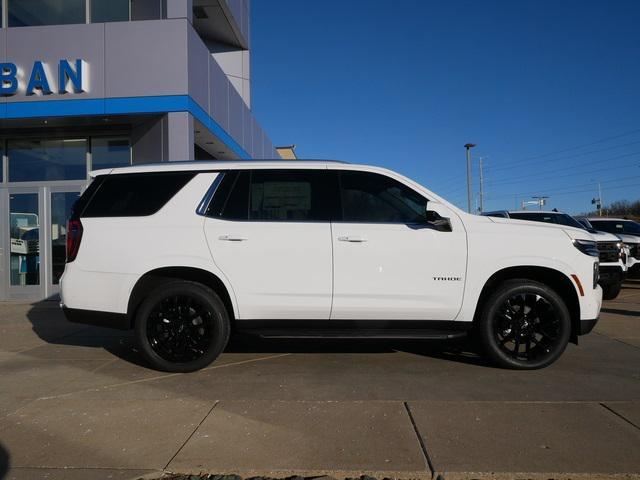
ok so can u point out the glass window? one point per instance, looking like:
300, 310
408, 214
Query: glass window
24, 236
23, 13
40, 160
133, 195
61, 205
617, 226
110, 153
109, 11
292, 195
237, 205
373, 198
557, 218
219, 200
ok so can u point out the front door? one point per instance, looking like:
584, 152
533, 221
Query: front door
22, 221
269, 233
33, 243
388, 263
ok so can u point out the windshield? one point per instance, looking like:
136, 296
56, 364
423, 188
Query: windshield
617, 226
557, 218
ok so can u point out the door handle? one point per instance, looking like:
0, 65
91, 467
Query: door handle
232, 238
352, 238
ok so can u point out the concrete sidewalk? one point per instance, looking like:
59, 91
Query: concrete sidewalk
76, 403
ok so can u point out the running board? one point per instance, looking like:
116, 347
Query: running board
383, 334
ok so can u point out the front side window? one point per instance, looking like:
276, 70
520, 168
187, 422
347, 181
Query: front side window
373, 198
25, 13
276, 196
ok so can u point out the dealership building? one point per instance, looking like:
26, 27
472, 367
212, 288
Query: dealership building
91, 84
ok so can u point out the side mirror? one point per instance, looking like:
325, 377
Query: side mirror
437, 216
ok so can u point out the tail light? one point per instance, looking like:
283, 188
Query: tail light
74, 235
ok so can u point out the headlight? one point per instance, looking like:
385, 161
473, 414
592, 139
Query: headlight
588, 247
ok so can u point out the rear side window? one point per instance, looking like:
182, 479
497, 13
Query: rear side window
231, 200
276, 196
373, 198
135, 194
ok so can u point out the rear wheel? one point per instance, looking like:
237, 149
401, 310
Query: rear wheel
611, 291
524, 325
182, 326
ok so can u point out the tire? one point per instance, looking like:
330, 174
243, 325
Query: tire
514, 337
609, 292
181, 326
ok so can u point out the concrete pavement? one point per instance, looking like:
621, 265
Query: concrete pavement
76, 402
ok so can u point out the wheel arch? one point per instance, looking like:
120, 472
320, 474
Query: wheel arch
555, 279
153, 278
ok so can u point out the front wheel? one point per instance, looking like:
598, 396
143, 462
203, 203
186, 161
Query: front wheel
524, 325
182, 326
611, 291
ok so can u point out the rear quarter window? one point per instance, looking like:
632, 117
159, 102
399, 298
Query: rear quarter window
132, 195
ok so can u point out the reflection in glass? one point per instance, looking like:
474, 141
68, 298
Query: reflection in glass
110, 153
61, 204
109, 11
24, 13
24, 236
39, 160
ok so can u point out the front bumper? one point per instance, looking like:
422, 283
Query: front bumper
587, 325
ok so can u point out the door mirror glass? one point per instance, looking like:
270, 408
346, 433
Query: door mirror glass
437, 216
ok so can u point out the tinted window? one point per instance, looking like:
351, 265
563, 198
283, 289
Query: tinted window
557, 218
624, 226
41, 160
110, 152
231, 200
292, 195
109, 11
133, 195
46, 12
373, 198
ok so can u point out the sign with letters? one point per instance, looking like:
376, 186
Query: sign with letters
70, 77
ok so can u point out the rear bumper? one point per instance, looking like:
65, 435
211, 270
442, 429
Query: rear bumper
119, 321
587, 325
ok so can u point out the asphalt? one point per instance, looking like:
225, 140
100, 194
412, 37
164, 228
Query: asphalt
79, 402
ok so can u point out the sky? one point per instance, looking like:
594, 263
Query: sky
548, 90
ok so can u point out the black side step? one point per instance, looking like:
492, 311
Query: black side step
387, 334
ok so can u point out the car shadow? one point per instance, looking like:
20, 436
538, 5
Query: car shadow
618, 311
50, 325
4, 462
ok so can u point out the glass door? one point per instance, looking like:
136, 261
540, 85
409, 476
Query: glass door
23, 219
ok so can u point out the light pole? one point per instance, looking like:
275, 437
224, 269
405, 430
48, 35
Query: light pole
469, 146
481, 187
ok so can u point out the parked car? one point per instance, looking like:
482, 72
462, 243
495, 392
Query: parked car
628, 231
613, 254
184, 253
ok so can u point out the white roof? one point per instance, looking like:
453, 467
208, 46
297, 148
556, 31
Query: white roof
213, 165
609, 219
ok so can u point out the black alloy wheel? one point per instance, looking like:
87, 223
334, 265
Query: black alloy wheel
182, 326
525, 325
180, 329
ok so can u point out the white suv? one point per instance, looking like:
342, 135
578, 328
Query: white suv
184, 253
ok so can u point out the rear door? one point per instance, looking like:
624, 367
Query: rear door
389, 263
269, 232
